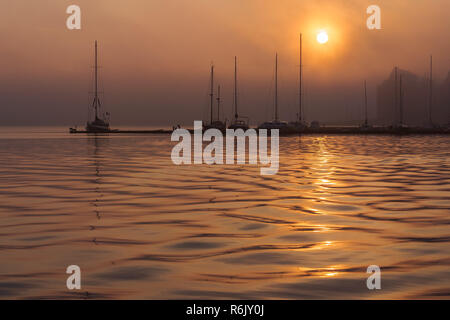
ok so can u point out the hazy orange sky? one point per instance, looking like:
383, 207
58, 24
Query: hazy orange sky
156, 54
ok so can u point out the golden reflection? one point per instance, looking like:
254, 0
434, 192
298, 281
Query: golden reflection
324, 245
331, 274
331, 271
312, 228
327, 272
325, 170
322, 229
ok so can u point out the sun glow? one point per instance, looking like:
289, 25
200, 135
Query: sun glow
322, 37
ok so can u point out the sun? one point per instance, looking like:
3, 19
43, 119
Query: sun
322, 37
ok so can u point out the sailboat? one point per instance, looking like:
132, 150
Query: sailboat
215, 124
365, 125
299, 124
100, 123
238, 123
283, 126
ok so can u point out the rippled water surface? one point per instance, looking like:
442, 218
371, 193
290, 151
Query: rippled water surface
141, 227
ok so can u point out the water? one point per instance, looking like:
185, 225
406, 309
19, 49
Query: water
141, 227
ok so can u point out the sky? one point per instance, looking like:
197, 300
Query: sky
155, 57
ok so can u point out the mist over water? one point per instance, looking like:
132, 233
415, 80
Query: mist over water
141, 227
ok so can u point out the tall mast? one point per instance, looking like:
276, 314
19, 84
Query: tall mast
395, 97
430, 95
401, 100
218, 103
211, 94
365, 104
300, 84
235, 89
276, 87
96, 83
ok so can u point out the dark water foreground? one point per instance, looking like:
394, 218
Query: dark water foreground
141, 227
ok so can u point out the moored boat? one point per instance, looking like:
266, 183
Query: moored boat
283, 126
238, 123
100, 124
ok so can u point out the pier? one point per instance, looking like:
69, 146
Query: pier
305, 130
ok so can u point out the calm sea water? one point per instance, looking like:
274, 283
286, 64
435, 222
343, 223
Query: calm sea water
140, 227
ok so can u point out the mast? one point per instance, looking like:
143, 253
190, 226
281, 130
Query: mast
218, 103
401, 100
235, 90
96, 102
365, 104
276, 87
300, 84
211, 94
430, 94
395, 97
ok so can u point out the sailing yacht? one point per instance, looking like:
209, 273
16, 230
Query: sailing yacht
215, 124
365, 125
283, 126
238, 123
100, 123
300, 124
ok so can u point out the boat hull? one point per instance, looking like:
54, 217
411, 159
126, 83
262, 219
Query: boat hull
98, 125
